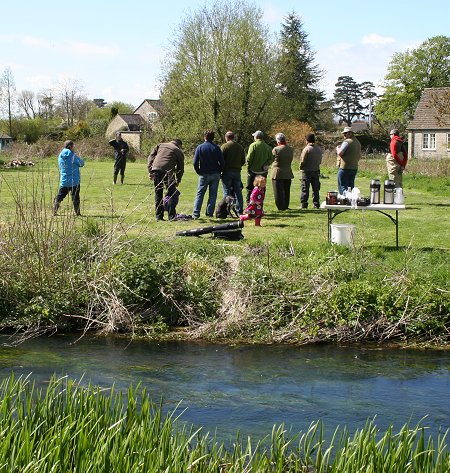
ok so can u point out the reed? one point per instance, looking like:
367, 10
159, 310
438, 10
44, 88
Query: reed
71, 426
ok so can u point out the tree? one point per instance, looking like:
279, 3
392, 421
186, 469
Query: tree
347, 98
368, 99
46, 104
7, 92
409, 73
298, 75
100, 103
220, 73
71, 100
27, 103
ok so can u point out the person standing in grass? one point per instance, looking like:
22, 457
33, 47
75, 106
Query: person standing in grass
234, 157
165, 167
120, 156
69, 171
259, 158
397, 158
349, 154
310, 161
255, 208
208, 164
282, 174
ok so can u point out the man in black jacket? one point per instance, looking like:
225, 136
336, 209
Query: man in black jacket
120, 156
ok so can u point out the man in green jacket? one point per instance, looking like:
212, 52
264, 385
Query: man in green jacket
259, 159
234, 157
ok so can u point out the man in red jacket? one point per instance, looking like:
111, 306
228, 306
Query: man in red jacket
396, 160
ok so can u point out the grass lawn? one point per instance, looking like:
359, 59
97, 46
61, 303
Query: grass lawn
130, 207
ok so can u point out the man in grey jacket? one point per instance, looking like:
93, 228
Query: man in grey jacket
166, 168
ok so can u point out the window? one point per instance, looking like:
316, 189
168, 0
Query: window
152, 116
429, 141
448, 141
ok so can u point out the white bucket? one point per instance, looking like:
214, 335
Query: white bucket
343, 234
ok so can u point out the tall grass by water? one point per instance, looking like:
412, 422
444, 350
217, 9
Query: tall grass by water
71, 427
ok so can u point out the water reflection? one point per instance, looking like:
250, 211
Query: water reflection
250, 388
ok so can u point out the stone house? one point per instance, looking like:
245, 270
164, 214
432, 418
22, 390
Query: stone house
131, 125
429, 130
149, 110
4, 140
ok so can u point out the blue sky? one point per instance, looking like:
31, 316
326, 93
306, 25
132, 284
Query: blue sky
115, 48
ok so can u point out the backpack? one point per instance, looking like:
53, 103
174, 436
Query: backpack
226, 208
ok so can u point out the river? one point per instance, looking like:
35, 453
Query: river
249, 388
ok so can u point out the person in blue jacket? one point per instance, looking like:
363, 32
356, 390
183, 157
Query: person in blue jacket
208, 164
69, 171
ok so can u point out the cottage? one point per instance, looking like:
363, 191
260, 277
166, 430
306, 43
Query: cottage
5, 140
149, 110
429, 130
131, 125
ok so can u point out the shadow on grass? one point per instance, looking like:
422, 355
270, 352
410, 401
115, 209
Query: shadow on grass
392, 249
106, 216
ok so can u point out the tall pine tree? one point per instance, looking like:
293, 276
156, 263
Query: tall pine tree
299, 76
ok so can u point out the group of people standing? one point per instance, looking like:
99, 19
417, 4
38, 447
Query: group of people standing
213, 164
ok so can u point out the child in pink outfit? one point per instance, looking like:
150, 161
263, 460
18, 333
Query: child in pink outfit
255, 209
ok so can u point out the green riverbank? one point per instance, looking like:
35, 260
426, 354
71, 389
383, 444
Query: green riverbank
116, 270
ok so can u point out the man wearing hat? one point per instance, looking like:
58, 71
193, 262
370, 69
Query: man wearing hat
396, 160
349, 154
165, 166
259, 158
120, 156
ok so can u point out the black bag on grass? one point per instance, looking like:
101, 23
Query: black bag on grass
231, 235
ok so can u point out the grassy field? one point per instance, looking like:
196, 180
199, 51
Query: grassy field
425, 223
119, 270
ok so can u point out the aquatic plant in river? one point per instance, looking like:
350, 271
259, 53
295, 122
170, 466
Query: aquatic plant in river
71, 427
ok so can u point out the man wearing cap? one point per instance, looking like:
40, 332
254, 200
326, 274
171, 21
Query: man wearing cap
208, 164
120, 156
282, 174
259, 158
396, 160
349, 154
234, 157
165, 166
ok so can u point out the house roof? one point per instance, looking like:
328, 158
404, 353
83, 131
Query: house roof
4, 136
132, 119
433, 110
155, 103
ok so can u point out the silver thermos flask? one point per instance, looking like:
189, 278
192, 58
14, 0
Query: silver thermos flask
389, 188
375, 187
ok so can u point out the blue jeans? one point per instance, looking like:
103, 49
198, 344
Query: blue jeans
205, 181
232, 185
346, 179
